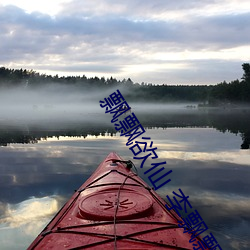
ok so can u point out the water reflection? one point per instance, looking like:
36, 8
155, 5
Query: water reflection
235, 121
36, 179
20, 222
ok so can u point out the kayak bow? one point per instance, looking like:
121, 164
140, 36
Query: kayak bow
114, 209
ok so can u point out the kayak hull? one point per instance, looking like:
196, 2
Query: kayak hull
114, 209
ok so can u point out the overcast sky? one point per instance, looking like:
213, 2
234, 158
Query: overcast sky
157, 41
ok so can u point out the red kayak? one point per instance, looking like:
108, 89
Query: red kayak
114, 209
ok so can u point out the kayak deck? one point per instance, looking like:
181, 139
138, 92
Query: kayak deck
114, 209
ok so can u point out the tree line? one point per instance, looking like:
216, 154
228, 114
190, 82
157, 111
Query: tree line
236, 91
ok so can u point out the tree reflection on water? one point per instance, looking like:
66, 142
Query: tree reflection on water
234, 121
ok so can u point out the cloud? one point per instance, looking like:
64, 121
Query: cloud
116, 30
94, 38
149, 9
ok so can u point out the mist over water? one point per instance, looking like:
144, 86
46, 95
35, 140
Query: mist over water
58, 107
201, 146
53, 103
61, 103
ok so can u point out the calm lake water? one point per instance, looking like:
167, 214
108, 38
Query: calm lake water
45, 158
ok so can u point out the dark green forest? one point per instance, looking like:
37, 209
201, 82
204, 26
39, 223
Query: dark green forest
224, 93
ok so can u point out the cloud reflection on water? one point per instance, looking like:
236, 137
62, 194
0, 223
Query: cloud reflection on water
22, 222
234, 156
204, 161
31, 209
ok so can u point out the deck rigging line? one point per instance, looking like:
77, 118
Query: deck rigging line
115, 237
